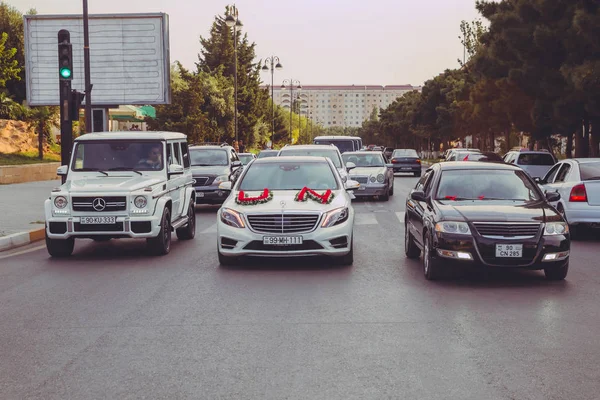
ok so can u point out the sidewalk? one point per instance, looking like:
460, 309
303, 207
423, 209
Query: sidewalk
22, 210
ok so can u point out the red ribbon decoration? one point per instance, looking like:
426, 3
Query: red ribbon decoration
324, 198
243, 199
451, 198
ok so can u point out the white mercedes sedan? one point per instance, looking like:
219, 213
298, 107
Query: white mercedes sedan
578, 182
287, 207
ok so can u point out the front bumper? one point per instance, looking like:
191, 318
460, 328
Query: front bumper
211, 195
125, 227
582, 213
370, 189
483, 250
236, 242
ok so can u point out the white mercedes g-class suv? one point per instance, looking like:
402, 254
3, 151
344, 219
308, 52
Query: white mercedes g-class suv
123, 185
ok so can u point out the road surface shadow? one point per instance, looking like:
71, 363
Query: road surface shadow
284, 264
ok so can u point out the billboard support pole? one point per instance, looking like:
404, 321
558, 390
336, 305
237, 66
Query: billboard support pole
86, 66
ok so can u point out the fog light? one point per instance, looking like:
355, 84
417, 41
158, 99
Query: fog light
458, 255
220, 193
464, 256
144, 211
556, 256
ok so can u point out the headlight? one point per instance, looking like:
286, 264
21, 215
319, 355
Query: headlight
140, 201
232, 218
60, 202
335, 217
221, 179
373, 179
380, 178
459, 228
556, 228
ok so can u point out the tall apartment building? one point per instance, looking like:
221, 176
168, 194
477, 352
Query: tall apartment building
345, 106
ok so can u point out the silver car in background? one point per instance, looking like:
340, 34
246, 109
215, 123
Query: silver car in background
376, 178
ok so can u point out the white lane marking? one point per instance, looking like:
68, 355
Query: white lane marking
211, 229
365, 219
400, 216
18, 253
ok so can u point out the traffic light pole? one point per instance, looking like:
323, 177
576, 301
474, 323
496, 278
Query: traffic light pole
86, 62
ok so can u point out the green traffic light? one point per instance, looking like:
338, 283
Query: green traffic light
65, 73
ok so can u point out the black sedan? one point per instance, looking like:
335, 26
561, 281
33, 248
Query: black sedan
406, 160
486, 215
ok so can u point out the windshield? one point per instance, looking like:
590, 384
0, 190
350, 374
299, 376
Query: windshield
590, 171
536, 159
405, 153
331, 154
343, 145
288, 176
266, 154
364, 160
486, 184
245, 158
118, 155
208, 157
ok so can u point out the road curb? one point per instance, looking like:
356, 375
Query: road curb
21, 239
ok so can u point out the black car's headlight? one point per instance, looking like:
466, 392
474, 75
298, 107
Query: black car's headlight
232, 218
335, 217
556, 228
458, 228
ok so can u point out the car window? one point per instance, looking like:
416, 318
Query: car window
245, 158
589, 171
428, 183
289, 175
333, 155
234, 156
185, 155
536, 159
364, 160
421, 184
176, 154
549, 178
405, 153
562, 174
118, 155
486, 184
209, 157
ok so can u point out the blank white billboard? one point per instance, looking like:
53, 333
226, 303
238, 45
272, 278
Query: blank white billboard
130, 60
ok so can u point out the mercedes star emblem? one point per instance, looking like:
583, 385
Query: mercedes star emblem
99, 204
282, 203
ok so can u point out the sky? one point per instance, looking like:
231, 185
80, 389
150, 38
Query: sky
335, 42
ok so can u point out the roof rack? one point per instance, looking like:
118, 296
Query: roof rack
212, 144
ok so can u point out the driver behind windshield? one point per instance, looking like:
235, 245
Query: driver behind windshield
153, 158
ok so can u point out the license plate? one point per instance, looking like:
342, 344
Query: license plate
282, 240
509, 250
199, 194
98, 220
362, 188
406, 168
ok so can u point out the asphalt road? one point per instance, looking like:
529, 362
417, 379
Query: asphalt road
112, 322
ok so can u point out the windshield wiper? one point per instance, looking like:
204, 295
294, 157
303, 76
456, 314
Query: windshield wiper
125, 169
91, 170
202, 165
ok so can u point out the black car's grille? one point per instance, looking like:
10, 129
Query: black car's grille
283, 223
507, 230
203, 180
360, 179
117, 227
100, 204
306, 245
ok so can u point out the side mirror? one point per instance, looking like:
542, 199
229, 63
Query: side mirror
552, 197
62, 170
350, 166
418, 195
175, 169
351, 185
538, 180
236, 164
225, 186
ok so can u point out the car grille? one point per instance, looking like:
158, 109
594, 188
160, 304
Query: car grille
307, 245
114, 203
203, 180
283, 223
507, 230
360, 179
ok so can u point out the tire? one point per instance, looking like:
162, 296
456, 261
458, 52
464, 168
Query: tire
417, 174
385, 197
431, 266
60, 248
227, 261
347, 259
392, 190
411, 249
161, 244
188, 232
557, 273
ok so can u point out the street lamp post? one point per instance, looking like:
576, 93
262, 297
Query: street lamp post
275, 65
291, 82
232, 20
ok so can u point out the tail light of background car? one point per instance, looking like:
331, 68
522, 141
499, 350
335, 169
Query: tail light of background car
578, 194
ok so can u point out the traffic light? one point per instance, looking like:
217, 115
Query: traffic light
75, 104
65, 56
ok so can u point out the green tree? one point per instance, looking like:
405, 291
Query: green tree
9, 67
